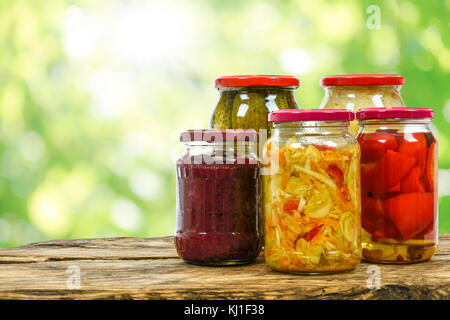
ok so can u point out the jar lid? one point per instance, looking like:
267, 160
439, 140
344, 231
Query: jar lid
257, 80
394, 112
362, 80
217, 135
311, 115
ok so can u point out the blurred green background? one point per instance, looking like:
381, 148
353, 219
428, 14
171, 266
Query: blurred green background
93, 94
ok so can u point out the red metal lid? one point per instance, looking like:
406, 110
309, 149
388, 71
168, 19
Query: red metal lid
311, 115
394, 113
257, 80
216, 135
362, 80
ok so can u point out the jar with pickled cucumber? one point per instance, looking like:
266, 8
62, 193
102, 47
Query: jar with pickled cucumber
311, 192
399, 185
246, 100
356, 91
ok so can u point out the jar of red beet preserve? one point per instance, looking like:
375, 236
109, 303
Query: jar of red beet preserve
218, 216
398, 184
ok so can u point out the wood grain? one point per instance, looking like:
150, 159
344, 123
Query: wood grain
140, 268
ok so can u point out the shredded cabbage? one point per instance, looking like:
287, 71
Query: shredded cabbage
312, 209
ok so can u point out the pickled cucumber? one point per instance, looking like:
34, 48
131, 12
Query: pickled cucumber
221, 117
282, 100
249, 111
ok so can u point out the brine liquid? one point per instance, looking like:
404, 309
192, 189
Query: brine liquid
217, 213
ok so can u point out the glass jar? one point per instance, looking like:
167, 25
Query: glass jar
355, 91
398, 184
246, 100
311, 192
218, 220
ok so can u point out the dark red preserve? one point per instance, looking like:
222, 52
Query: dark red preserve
218, 219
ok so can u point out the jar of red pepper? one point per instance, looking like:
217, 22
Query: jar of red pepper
218, 216
398, 184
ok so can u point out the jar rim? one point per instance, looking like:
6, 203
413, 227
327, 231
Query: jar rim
362, 80
257, 80
292, 115
394, 113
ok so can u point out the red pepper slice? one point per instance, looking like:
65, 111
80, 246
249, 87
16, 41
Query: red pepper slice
411, 181
385, 174
415, 145
427, 233
430, 168
384, 228
367, 223
368, 174
369, 213
376, 207
410, 212
312, 233
376, 221
291, 204
374, 145
396, 188
336, 173
321, 147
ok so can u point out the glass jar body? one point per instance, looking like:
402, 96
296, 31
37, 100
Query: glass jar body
356, 97
218, 216
311, 198
399, 190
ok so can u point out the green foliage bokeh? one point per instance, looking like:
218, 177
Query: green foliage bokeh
93, 94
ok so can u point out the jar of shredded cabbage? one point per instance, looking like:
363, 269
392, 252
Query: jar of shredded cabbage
311, 192
355, 91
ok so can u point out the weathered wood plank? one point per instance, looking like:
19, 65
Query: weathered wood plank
132, 268
92, 249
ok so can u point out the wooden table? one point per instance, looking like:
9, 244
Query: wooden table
135, 268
